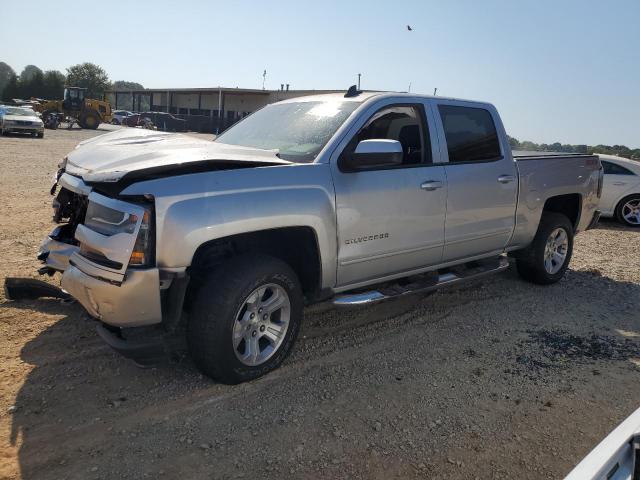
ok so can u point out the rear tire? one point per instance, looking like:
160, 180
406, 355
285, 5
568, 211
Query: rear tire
546, 260
627, 206
223, 312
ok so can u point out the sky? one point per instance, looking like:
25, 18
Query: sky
561, 70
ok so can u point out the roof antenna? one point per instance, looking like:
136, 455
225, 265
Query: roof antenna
435, 91
352, 92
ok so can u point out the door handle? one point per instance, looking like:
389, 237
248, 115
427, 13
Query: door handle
431, 185
506, 178
618, 184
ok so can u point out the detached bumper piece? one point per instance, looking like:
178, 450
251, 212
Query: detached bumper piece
31, 289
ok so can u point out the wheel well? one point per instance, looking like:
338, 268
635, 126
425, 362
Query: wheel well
297, 246
568, 205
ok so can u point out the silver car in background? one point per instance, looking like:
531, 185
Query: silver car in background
20, 120
119, 115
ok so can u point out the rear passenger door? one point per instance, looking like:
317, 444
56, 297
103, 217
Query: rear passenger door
389, 219
481, 179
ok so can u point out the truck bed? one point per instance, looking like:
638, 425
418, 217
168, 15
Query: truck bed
530, 155
542, 175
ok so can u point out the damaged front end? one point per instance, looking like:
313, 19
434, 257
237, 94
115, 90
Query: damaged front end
69, 209
103, 247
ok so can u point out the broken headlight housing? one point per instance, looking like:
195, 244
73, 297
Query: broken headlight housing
141, 254
109, 222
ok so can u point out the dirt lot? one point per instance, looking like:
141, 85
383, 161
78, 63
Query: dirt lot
501, 379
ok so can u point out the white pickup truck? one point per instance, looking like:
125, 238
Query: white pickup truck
355, 198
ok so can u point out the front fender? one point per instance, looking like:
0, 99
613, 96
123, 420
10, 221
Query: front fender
194, 209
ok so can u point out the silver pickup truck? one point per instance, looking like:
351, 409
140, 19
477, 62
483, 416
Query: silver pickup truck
353, 198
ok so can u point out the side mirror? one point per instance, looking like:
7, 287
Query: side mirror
375, 153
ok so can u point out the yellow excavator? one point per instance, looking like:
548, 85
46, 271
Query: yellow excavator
88, 112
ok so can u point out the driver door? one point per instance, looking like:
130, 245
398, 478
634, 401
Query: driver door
390, 220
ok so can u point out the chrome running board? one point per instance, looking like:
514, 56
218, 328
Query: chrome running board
425, 282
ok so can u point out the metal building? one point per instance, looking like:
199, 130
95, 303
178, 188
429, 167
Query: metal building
204, 109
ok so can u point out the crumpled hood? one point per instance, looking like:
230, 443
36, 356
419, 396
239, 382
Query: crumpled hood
109, 157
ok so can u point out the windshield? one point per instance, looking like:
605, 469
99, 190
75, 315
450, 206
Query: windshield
296, 131
24, 112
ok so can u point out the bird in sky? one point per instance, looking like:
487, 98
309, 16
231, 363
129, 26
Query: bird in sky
409, 28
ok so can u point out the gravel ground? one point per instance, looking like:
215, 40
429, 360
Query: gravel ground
496, 379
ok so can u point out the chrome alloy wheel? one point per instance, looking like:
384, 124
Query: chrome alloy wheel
555, 251
261, 324
631, 211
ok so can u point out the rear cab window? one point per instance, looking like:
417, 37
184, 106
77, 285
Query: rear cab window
470, 133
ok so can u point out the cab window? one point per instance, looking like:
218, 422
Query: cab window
470, 133
404, 123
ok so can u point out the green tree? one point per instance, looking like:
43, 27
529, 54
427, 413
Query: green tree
53, 84
34, 87
11, 89
6, 72
125, 85
28, 72
580, 148
125, 100
89, 76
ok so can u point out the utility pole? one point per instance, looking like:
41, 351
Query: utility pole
359, 81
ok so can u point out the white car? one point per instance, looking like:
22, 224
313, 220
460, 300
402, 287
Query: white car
20, 120
119, 115
617, 457
621, 190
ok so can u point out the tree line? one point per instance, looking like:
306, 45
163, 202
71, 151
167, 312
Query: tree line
620, 150
35, 83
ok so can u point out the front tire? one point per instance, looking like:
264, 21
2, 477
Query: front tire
89, 121
628, 211
546, 260
245, 318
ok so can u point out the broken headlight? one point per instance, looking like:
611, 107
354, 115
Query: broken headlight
108, 221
